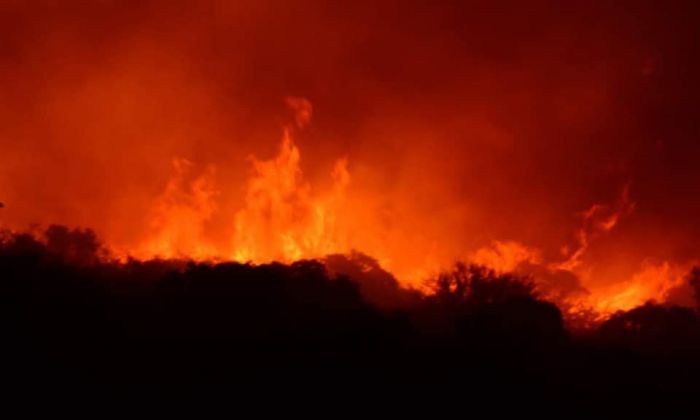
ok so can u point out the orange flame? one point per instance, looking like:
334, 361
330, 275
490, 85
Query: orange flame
179, 215
506, 256
651, 283
282, 220
598, 219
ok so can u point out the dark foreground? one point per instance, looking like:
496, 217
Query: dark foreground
78, 329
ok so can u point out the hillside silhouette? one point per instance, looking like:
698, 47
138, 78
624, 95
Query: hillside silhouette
70, 319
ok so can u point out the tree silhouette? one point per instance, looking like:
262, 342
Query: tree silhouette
377, 286
66, 311
480, 307
694, 281
477, 285
652, 327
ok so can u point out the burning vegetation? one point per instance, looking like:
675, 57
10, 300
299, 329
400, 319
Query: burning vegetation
360, 185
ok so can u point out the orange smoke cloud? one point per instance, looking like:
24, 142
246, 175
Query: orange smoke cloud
463, 134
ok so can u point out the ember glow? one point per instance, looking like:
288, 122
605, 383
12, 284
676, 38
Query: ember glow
555, 142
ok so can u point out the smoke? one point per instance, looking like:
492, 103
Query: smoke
463, 125
598, 219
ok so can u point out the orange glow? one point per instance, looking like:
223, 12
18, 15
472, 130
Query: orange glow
505, 257
420, 136
652, 283
179, 214
282, 220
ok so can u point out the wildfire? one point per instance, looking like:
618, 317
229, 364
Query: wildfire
179, 215
284, 218
417, 136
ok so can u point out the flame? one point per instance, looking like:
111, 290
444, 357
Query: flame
282, 220
506, 256
651, 283
597, 220
179, 215
459, 144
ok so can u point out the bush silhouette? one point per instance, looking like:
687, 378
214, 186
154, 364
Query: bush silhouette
68, 312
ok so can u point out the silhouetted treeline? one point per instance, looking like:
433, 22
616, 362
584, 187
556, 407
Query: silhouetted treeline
71, 317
